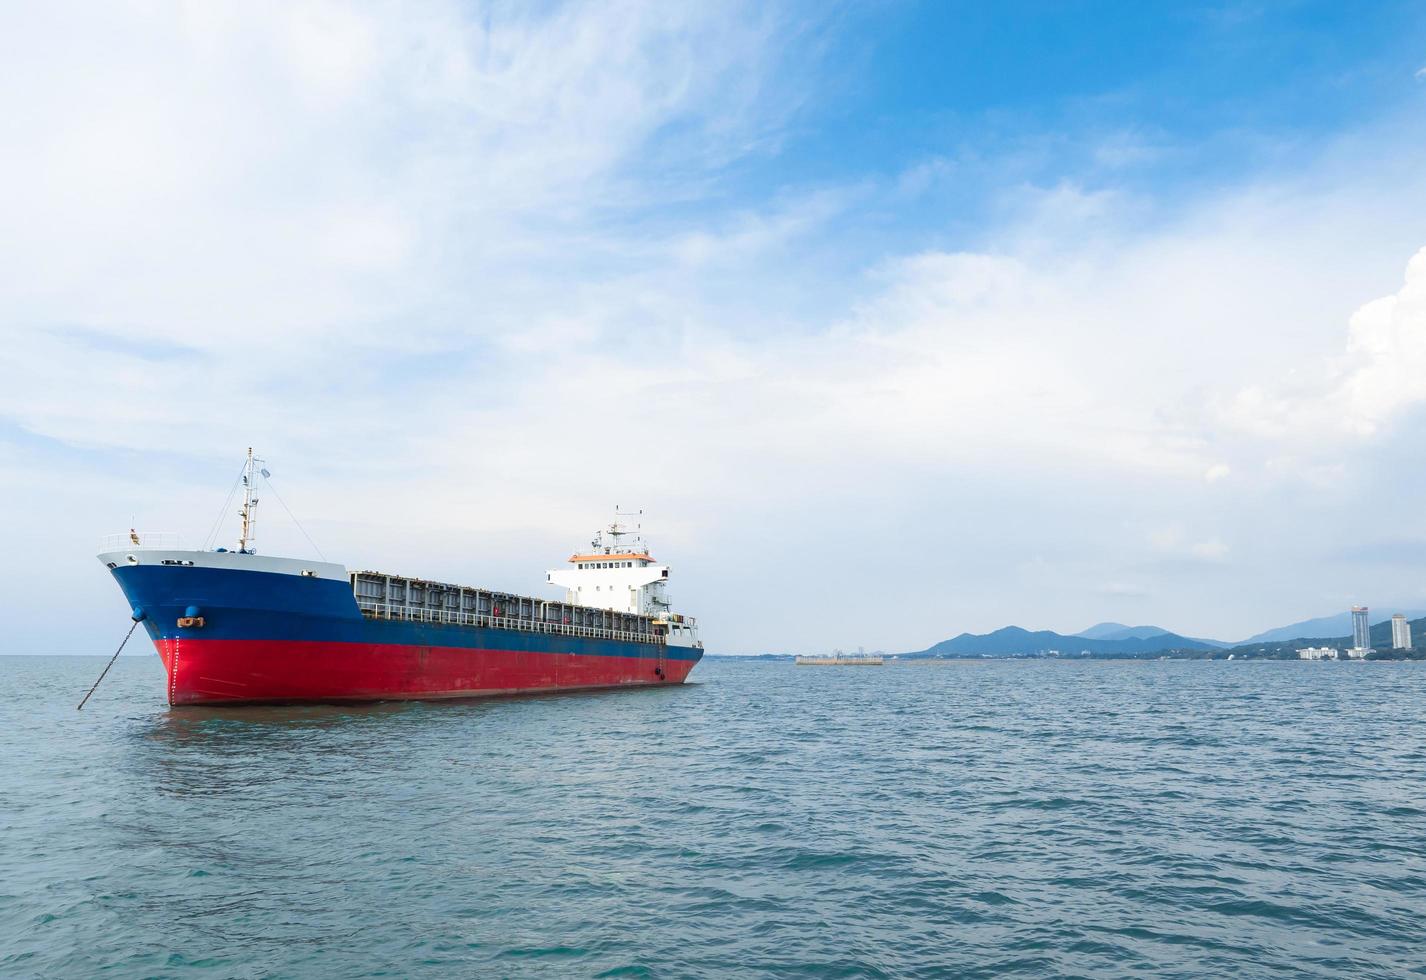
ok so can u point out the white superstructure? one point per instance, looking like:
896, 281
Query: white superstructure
617, 572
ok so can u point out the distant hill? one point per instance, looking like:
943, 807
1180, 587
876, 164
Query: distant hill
1015, 641
1118, 640
1118, 631
1339, 624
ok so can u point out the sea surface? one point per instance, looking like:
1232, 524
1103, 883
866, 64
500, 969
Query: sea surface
944, 819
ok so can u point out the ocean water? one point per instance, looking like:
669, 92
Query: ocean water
960, 818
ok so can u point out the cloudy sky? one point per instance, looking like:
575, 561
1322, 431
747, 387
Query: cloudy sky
896, 319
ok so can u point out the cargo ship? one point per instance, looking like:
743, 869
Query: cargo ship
236, 627
839, 659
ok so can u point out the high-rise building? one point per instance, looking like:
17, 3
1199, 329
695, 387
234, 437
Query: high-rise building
1361, 629
1400, 633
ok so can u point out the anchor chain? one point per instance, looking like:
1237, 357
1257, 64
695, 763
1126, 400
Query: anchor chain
80, 706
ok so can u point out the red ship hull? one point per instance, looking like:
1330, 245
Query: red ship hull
204, 671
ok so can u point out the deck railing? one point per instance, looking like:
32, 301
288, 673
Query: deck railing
141, 541
372, 609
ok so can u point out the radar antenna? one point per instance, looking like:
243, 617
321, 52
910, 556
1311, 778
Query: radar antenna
617, 530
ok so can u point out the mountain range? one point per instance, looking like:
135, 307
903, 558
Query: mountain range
1012, 640
1118, 639
1118, 631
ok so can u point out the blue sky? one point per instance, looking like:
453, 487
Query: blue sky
1202, 92
898, 319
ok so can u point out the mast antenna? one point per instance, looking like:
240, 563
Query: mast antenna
251, 469
617, 530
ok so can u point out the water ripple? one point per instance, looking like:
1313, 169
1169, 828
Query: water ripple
972, 819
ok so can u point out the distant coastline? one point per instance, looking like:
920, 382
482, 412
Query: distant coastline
1132, 643
1224, 655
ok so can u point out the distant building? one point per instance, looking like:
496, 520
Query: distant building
1317, 653
1361, 629
1400, 633
1361, 634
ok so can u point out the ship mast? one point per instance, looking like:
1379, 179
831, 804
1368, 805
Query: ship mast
617, 531
249, 511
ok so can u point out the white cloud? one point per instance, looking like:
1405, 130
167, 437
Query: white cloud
1386, 348
1379, 375
305, 194
1210, 550
273, 172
